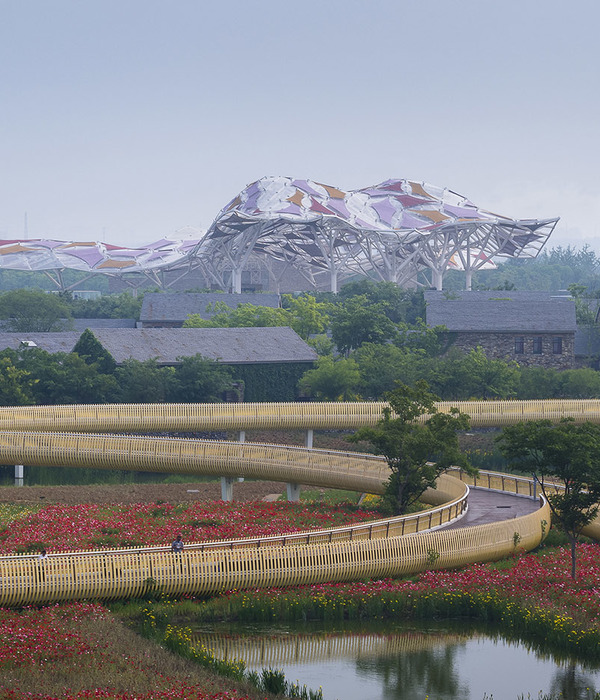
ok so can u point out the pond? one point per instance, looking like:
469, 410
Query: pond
437, 661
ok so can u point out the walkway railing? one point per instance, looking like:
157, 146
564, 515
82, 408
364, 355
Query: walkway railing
375, 549
279, 416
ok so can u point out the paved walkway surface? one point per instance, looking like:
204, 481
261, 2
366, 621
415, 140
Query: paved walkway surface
492, 506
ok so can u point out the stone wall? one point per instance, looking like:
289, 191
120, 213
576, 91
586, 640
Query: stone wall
501, 346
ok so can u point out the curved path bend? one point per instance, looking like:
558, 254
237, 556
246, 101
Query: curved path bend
437, 538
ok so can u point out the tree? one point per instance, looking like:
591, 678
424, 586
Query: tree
144, 382
16, 384
244, 316
417, 452
199, 380
91, 350
332, 380
307, 315
358, 321
567, 452
33, 311
65, 378
381, 366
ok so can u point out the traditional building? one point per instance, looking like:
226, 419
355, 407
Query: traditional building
531, 328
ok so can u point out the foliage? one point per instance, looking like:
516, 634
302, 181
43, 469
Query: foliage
416, 452
381, 366
277, 381
16, 383
33, 311
62, 378
123, 305
198, 379
244, 316
567, 452
144, 381
332, 379
89, 348
359, 321
307, 315
553, 270
402, 305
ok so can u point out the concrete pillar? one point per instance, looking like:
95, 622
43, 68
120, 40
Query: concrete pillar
293, 492
242, 436
18, 475
308, 442
469, 279
236, 281
226, 488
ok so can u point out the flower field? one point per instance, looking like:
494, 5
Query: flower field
80, 651
96, 526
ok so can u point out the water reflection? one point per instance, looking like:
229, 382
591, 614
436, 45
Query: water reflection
442, 661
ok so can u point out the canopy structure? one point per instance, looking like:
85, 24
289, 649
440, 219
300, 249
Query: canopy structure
53, 257
399, 231
393, 231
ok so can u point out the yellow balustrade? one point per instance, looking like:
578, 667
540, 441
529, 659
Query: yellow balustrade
36, 436
206, 570
283, 416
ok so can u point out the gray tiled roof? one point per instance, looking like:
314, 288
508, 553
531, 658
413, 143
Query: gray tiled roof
80, 324
228, 345
51, 342
500, 311
177, 307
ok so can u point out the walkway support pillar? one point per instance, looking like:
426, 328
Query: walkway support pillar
18, 475
293, 492
227, 488
308, 442
242, 436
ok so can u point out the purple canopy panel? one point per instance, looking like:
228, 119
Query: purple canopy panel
90, 256
372, 192
292, 209
461, 212
409, 200
338, 206
49, 244
385, 210
253, 189
410, 221
251, 203
305, 186
158, 244
394, 185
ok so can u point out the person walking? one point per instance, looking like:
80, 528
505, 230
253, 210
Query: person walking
177, 546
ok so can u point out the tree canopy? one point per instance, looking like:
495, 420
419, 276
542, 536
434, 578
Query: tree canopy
417, 452
566, 452
33, 311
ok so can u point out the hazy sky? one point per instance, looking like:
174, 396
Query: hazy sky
125, 120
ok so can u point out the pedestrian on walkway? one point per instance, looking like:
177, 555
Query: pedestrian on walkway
177, 546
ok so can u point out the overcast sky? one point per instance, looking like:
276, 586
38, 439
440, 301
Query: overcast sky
125, 120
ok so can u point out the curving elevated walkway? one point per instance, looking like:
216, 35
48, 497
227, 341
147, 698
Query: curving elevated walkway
32, 436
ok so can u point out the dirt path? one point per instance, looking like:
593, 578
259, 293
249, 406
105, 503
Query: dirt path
138, 493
